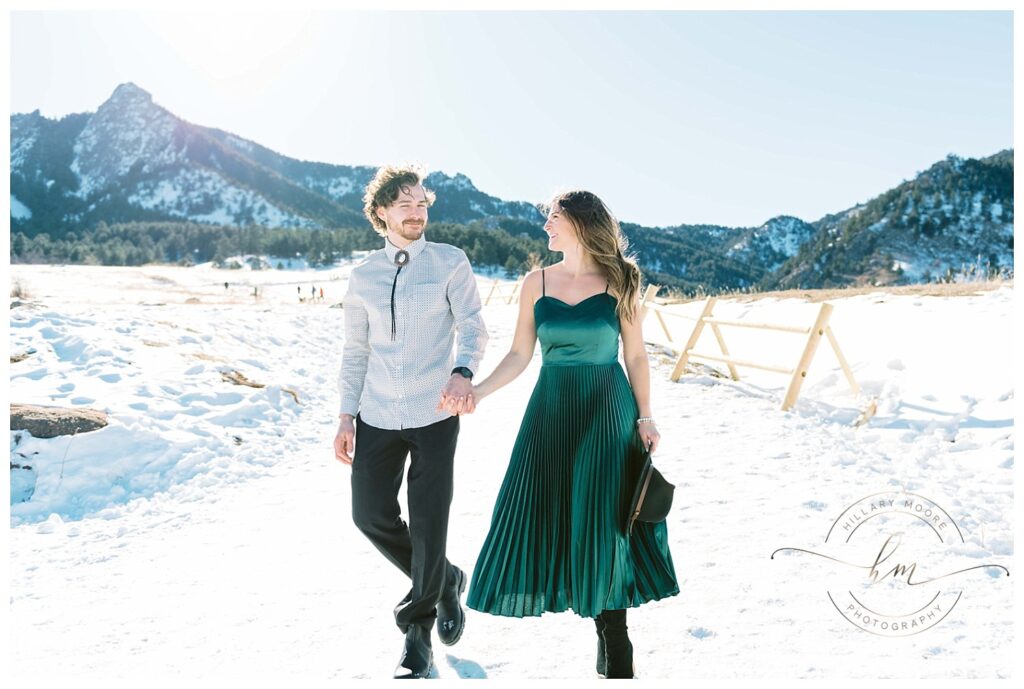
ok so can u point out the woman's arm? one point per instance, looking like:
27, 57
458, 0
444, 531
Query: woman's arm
639, 370
523, 342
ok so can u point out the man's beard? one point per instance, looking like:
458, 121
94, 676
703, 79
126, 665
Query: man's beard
411, 233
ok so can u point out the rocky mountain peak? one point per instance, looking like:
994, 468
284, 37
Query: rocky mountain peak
128, 94
127, 129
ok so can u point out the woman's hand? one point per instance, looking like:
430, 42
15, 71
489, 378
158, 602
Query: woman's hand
649, 435
477, 395
455, 397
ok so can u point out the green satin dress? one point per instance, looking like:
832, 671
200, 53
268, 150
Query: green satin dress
556, 540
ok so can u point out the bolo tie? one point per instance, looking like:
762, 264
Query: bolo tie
401, 260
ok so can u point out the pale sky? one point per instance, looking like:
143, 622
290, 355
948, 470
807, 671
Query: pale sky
727, 118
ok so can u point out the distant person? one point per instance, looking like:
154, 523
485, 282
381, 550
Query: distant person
312, 292
557, 540
321, 294
404, 304
225, 287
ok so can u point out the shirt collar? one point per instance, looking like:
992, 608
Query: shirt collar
414, 248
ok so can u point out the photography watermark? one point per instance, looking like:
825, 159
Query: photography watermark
903, 553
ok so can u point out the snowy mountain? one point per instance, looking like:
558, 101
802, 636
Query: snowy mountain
957, 213
771, 244
714, 256
134, 160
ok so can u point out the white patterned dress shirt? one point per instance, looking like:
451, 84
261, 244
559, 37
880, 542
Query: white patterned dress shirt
396, 383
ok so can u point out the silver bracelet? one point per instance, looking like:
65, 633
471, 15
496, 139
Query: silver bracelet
645, 419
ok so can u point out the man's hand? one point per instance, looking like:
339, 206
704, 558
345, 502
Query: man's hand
345, 440
457, 396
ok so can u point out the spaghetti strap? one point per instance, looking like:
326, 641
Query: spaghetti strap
542, 292
606, 285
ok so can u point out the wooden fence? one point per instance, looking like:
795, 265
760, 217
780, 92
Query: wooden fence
497, 292
813, 335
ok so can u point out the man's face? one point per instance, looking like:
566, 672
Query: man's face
407, 216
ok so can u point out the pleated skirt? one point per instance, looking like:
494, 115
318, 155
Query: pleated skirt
556, 540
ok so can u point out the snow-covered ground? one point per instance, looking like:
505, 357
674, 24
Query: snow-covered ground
206, 531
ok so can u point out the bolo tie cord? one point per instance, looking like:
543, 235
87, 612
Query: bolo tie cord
401, 259
393, 284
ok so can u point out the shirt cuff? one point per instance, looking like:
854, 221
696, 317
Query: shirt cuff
469, 361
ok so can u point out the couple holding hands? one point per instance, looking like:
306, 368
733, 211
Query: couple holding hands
556, 540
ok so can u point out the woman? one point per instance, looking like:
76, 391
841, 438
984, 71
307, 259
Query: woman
557, 540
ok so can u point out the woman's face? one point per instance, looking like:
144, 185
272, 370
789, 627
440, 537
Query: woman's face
561, 233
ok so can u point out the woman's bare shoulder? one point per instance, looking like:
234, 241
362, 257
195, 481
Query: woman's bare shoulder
532, 282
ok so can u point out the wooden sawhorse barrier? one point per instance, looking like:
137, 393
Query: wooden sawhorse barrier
814, 334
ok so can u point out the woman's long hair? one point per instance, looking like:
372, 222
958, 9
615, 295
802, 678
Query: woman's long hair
600, 236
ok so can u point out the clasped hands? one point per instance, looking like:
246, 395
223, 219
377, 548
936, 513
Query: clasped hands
457, 396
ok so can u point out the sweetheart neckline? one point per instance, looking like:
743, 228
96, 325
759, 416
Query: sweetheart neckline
573, 306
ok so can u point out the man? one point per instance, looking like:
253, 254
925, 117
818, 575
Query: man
401, 393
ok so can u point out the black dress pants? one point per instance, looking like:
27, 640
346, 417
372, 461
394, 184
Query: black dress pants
418, 549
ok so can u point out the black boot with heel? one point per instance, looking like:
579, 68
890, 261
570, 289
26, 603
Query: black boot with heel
618, 650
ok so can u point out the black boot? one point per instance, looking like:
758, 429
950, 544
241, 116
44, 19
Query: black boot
602, 658
451, 619
618, 648
417, 658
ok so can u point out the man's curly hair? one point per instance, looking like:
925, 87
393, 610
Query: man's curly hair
384, 188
